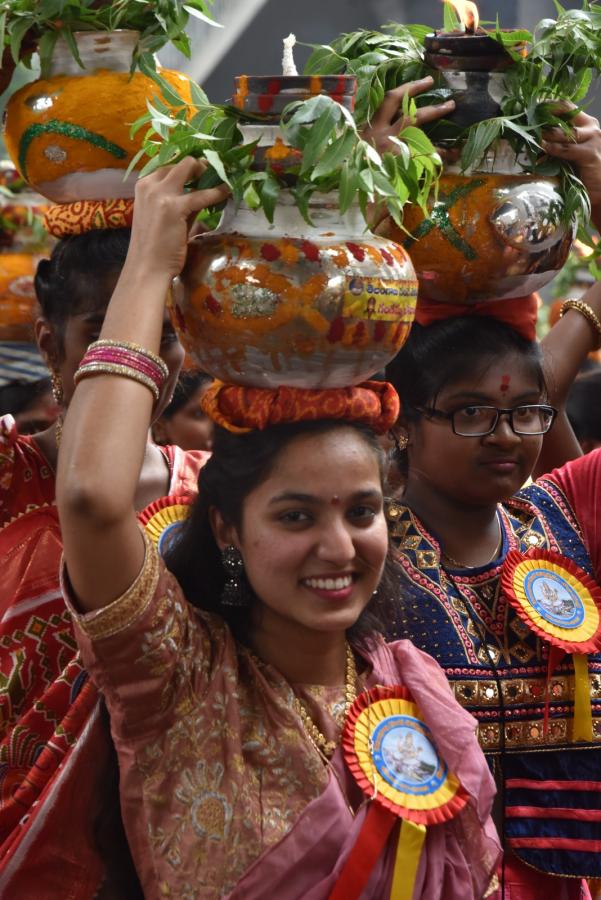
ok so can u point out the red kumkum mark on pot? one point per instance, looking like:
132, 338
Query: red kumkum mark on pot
387, 257
338, 92
359, 332
380, 331
505, 382
265, 102
336, 332
270, 252
310, 251
212, 305
357, 251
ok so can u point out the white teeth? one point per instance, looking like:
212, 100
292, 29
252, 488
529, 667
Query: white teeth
330, 584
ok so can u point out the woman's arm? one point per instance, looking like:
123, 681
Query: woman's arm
565, 348
106, 426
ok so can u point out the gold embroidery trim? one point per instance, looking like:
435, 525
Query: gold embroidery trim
518, 691
124, 611
529, 735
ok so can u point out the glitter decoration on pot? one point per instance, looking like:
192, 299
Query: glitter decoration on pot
323, 305
69, 144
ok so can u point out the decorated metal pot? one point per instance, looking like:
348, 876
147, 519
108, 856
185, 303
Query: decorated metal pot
292, 304
69, 134
491, 234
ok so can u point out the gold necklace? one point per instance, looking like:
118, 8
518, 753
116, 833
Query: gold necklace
460, 565
317, 737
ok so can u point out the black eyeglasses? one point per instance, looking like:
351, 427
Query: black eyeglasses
478, 421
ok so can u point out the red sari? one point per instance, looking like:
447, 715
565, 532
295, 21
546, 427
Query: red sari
54, 745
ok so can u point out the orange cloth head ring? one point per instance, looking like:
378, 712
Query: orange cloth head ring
242, 409
519, 313
63, 219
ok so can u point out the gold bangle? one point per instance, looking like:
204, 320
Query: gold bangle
102, 368
135, 348
585, 310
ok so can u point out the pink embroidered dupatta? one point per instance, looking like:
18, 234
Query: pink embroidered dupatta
459, 858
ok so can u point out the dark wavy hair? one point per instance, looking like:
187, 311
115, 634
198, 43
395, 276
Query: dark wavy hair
79, 276
238, 465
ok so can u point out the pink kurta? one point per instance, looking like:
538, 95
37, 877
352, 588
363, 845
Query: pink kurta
223, 795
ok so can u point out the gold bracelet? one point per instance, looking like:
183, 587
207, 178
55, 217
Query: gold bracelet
102, 368
585, 310
135, 348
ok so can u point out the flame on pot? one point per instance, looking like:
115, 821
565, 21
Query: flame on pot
468, 14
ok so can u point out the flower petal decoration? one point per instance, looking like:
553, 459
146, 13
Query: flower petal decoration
163, 520
557, 599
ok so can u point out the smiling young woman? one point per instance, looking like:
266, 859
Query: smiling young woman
229, 676
475, 413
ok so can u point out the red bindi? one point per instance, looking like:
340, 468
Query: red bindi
505, 382
335, 500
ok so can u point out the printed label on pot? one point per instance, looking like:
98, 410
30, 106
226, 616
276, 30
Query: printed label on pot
379, 298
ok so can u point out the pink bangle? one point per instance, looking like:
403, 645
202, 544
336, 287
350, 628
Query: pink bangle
118, 357
128, 360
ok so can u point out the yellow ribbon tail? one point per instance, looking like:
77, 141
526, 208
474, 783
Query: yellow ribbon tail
409, 850
583, 716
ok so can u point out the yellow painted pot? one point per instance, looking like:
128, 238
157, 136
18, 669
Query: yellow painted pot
292, 304
492, 234
69, 134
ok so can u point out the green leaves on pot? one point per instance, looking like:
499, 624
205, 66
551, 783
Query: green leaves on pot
380, 62
563, 57
27, 23
328, 155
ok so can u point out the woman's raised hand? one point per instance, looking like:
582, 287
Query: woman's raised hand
583, 150
388, 120
164, 212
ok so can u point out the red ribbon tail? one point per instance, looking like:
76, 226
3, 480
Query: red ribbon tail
556, 654
370, 843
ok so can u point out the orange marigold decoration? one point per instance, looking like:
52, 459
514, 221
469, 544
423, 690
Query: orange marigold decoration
242, 409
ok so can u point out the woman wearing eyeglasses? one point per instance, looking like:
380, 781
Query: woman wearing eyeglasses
476, 409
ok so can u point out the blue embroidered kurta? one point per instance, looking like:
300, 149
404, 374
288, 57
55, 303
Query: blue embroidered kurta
498, 670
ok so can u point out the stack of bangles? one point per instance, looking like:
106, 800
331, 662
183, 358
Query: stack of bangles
126, 360
589, 314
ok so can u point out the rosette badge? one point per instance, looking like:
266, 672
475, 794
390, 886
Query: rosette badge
395, 761
561, 604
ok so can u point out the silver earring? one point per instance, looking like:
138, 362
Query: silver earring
234, 590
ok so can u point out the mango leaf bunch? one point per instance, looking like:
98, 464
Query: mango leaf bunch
331, 154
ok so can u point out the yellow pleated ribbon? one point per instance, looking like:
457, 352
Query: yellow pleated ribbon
583, 715
409, 849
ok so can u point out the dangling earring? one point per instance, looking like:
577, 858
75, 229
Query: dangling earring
59, 398
234, 592
402, 442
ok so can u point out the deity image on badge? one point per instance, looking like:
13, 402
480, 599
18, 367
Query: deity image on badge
554, 599
404, 755
356, 286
